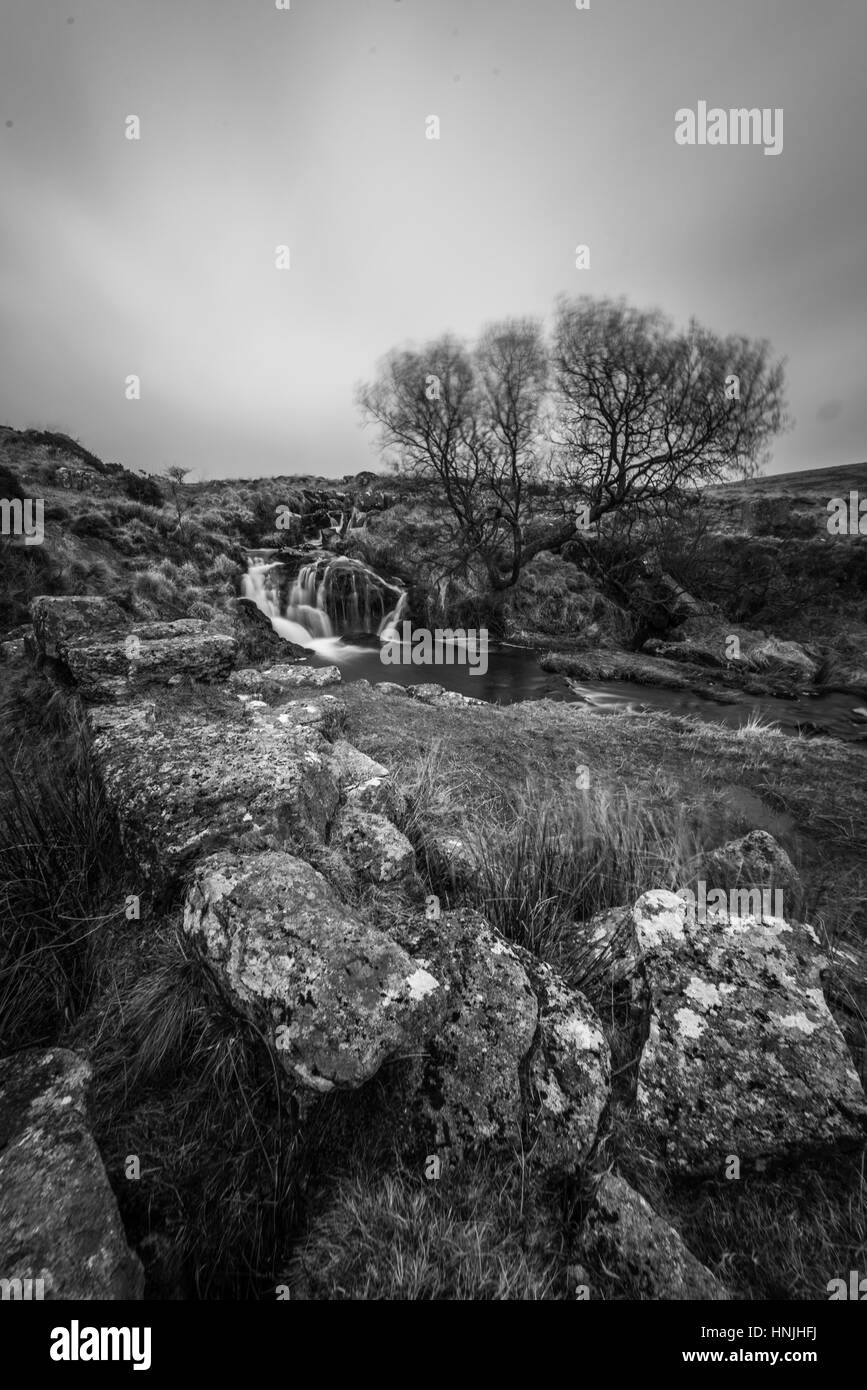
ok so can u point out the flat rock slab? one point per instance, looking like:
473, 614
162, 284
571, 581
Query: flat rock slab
743, 1056
601, 665
114, 666
183, 783
432, 694
59, 1221
338, 996
273, 681
323, 712
644, 1256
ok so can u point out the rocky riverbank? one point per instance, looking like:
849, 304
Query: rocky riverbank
269, 813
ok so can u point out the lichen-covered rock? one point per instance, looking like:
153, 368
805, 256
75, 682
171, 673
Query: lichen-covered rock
184, 784
375, 848
743, 1056
569, 1072
59, 1220
354, 767
642, 1255
325, 713
58, 619
114, 665
517, 1053
274, 681
364, 783
337, 996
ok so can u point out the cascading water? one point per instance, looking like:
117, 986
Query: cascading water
329, 597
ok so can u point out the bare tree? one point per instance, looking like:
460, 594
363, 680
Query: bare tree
644, 412
469, 420
175, 476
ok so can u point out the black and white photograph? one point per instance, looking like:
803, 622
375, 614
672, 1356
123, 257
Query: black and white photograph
433, 670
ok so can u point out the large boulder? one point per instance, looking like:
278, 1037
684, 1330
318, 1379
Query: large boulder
184, 783
517, 1051
59, 1221
336, 996
114, 666
639, 1254
743, 1057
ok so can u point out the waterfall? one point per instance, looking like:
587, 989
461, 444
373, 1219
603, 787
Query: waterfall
255, 585
330, 596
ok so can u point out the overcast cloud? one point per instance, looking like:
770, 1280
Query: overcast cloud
306, 127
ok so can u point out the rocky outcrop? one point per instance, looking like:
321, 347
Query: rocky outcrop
695, 665
743, 1057
108, 658
59, 1221
643, 1255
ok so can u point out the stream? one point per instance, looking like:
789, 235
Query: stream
343, 612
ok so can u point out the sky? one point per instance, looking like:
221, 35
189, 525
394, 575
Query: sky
306, 127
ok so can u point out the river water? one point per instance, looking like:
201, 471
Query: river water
514, 674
